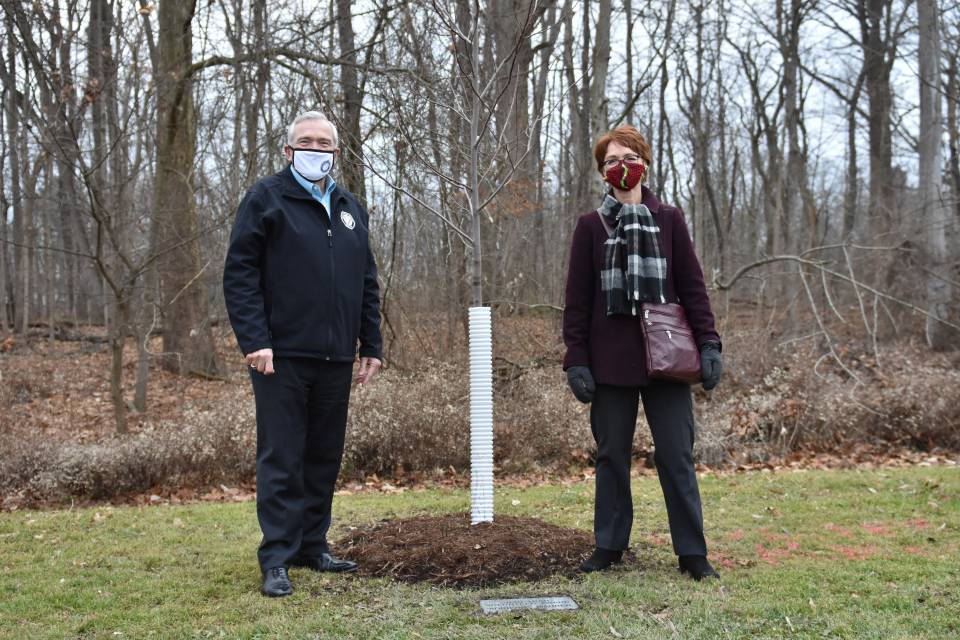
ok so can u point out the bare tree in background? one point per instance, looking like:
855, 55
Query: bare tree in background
586, 77
111, 133
351, 165
187, 337
882, 26
936, 213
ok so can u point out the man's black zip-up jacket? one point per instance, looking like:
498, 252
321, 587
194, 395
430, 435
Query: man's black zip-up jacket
298, 282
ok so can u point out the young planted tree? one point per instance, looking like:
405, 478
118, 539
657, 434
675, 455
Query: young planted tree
486, 96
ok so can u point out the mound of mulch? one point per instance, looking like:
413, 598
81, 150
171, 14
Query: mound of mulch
447, 550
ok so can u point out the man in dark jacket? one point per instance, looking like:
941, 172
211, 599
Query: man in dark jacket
300, 285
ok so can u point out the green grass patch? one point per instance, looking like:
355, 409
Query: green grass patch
824, 554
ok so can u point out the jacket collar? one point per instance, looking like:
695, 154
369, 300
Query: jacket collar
292, 189
649, 200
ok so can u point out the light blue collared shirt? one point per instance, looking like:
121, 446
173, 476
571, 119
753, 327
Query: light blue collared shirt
314, 190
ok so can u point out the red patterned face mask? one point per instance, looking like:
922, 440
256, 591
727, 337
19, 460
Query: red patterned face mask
625, 175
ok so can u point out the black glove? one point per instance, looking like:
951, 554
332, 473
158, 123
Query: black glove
711, 364
581, 383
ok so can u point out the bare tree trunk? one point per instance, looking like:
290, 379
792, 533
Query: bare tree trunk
141, 326
540, 266
587, 97
662, 124
241, 96
28, 256
852, 183
473, 194
628, 16
252, 112
580, 163
16, 191
118, 336
187, 337
879, 52
98, 55
351, 139
953, 127
705, 114
599, 103
798, 206
5, 289
931, 172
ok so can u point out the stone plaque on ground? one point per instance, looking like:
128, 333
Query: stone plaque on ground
551, 603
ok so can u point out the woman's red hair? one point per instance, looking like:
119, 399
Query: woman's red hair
627, 136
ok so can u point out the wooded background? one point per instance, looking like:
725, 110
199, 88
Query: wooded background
814, 146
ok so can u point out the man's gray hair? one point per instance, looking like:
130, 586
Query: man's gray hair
312, 115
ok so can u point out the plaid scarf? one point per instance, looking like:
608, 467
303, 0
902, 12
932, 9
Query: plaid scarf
643, 278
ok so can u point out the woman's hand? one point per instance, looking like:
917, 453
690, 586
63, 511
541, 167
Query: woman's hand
711, 365
581, 383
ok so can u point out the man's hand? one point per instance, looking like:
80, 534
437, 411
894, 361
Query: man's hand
262, 361
368, 369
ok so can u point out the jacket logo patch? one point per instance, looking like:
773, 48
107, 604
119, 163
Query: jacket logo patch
347, 220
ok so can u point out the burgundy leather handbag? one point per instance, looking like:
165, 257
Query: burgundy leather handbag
668, 342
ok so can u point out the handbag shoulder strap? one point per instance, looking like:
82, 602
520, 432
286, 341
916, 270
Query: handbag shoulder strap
606, 225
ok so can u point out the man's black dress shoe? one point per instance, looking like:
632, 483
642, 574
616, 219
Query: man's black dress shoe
698, 567
600, 559
324, 562
276, 583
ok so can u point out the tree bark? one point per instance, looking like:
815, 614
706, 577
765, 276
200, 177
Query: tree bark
798, 205
879, 53
252, 111
4, 206
953, 127
351, 139
118, 336
599, 103
187, 337
939, 336
660, 143
851, 193
16, 186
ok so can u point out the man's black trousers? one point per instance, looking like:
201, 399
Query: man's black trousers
301, 420
613, 418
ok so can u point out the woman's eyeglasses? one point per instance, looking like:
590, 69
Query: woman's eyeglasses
610, 163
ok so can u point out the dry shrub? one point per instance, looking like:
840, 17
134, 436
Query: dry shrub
538, 423
20, 386
771, 402
420, 421
912, 398
409, 421
210, 447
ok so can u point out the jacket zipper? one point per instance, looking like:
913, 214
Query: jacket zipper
333, 282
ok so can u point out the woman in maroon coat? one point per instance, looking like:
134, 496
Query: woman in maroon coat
635, 249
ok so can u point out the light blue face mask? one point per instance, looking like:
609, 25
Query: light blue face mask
312, 164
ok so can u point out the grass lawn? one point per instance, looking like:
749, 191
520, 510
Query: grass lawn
835, 554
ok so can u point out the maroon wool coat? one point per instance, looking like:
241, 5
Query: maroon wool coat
613, 346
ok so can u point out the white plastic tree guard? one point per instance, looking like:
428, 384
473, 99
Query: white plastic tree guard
481, 416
